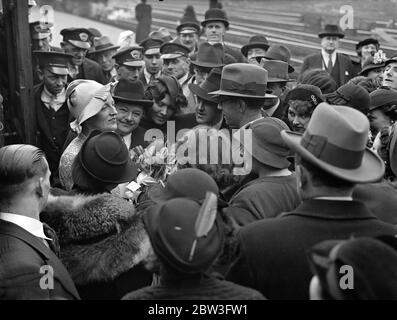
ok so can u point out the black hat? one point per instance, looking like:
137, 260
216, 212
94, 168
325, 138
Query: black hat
331, 30
371, 63
305, 92
382, 97
212, 83
131, 92
350, 95
280, 52
188, 23
56, 62
125, 57
173, 50
102, 44
104, 156
367, 41
79, 37
151, 46
393, 59
209, 56
255, 42
39, 30
215, 14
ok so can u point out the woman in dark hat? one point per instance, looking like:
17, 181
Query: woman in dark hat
104, 244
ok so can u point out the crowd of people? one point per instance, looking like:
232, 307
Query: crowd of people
183, 168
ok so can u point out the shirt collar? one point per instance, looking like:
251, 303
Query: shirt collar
184, 79
148, 75
33, 226
326, 55
127, 140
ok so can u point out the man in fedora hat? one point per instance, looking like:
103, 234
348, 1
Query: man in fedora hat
256, 47
152, 59
390, 73
131, 104
331, 159
76, 42
256, 200
51, 107
280, 53
162, 34
128, 65
338, 65
215, 26
103, 52
365, 48
177, 63
184, 257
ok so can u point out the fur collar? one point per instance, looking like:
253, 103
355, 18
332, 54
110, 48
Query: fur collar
100, 236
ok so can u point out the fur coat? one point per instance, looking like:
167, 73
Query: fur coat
101, 237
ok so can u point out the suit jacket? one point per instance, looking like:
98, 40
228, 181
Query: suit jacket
90, 70
346, 70
273, 252
21, 257
138, 138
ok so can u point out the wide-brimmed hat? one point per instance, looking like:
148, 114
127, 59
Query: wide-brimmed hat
371, 63
39, 30
209, 56
215, 14
102, 44
79, 37
212, 83
277, 71
393, 59
126, 57
255, 42
243, 80
305, 92
351, 95
104, 156
373, 261
280, 52
267, 145
381, 97
56, 62
367, 41
85, 99
331, 30
335, 141
131, 92
171, 228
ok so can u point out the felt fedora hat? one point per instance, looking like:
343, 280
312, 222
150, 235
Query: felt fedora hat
171, 229
351, 95
267, 145
280, 52
104, 156
212, 83
331, 30
335, 141
131, 92
209, 56
243, 80
255, 42
215, 14
277, 70
381, 97
371, 64
102, 44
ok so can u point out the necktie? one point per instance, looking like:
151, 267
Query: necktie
152, 78
329, 67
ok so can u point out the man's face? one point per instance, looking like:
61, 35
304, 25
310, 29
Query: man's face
153, 63
177, 67
105, 60
255, 52
215, 32
207, 112
275, 88
106, 119
368, 50
189, 40
128, 117
77, 53
53, 82
378, 120
230, 112
201, 74
297, 120
162, 111
330, 43
42, 44
390, 76
129, 73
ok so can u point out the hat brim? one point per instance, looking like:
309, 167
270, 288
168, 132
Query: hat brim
207, 64
247, 47
93, 53
136, 64
168, 56
271, 80
291, 69
269, 158
59, 71
369, 68
371, 169
152, 51
139, 102
80, 44
203, 23
325, 34
201, 93
234, 94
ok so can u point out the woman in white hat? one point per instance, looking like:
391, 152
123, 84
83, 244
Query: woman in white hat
92, 106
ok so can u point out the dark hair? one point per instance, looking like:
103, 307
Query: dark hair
157, 92
19, 163
303, 108
390, 110
323, 178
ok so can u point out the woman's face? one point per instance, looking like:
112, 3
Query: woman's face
378, 120
297, 120
106, 119
375, 73
162, 110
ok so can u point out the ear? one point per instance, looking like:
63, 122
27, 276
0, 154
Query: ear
40, 74
40, 188
242, 106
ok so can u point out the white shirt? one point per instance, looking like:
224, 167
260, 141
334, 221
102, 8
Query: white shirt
127, 140
325, 56
33, 226
149, 75
51, 101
